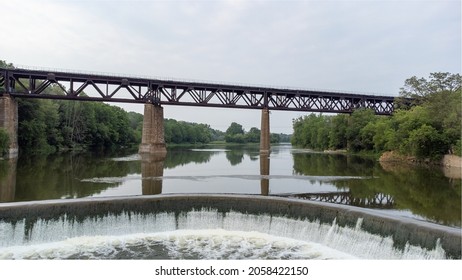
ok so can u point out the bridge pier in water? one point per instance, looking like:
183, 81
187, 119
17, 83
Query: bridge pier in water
265, 132
9, 122
152, 139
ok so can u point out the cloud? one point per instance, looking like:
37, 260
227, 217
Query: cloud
363, 46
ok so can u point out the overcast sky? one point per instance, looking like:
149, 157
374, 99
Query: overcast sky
364, 46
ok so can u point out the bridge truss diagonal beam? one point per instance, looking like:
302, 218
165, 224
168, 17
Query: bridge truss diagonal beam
38, 83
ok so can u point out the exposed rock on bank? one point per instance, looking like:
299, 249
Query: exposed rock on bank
452, 164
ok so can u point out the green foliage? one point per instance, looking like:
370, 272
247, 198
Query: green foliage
235, 133
359, 136
253, 136
47, 126
426, 141
457, 148
4, 64
337, 133
184, 132
4, 142
429, 129
312, 131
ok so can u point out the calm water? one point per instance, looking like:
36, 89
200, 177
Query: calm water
421, 193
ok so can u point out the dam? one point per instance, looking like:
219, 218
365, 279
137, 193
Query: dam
197, 226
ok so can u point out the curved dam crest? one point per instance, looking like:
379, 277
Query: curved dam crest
362, 233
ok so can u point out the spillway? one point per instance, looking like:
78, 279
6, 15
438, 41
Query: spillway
214, 227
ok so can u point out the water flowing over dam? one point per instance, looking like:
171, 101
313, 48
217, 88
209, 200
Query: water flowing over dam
214, 227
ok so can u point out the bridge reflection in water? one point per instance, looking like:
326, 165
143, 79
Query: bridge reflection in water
378, 200
152, 171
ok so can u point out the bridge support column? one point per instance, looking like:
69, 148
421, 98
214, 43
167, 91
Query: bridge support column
152, 139
265, 132
9, 122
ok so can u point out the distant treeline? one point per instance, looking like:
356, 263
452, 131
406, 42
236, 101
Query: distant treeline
426, 126
236, 134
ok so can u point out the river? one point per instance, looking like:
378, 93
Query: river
421, 193
127, 226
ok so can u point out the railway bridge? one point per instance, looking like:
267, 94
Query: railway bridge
155, 93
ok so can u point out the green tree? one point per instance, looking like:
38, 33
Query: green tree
337, 133
235, 133
426, 141
253, 136
359, 139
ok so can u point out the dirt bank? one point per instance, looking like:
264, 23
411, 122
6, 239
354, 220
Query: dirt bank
452, 165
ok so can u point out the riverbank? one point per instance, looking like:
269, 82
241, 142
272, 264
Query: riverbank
452, 164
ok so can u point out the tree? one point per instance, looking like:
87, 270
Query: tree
234, 129
337, 133
235, 133
421, 89
426, 141
253, 136
358, 141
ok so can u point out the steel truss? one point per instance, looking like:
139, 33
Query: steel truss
37, 83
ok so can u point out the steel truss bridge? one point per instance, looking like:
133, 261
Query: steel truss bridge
28, 83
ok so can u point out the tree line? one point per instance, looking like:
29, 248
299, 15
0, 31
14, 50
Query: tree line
47, 126
236, 134
427, 123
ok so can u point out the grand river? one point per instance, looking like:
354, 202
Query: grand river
428, 194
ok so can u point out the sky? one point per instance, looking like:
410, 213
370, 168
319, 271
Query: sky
361, 46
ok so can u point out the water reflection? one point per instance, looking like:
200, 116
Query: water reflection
264, 172
152, 170
423, 190
183, 156
7, 179
423, 193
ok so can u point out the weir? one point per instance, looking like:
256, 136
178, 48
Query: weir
215, 226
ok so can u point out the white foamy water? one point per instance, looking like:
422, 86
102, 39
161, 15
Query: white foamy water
179, 244
202, 234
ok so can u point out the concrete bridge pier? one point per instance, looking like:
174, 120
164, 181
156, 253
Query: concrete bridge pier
9, 122
152, 139
265, 132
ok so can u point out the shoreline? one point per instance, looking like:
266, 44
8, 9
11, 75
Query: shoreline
451, 164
